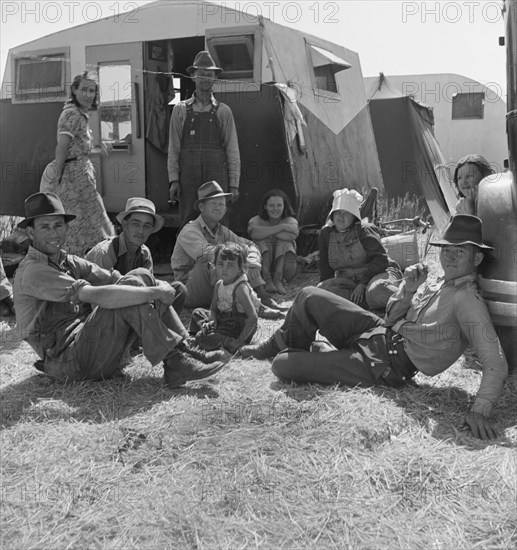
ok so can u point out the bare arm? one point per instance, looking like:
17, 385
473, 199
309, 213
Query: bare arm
242, 295
63, 142
286, 231
213, 305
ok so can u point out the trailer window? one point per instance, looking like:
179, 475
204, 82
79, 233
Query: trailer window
115, 104
237, 52
325, 65
234, 54
468, 105
41, 76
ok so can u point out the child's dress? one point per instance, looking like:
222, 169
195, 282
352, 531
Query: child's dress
230, 318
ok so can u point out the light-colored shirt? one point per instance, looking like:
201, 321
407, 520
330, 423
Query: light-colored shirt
103, 254
228, 134
197, 241
439, 321
40, 284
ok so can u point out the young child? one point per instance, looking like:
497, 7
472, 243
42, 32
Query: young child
232, 319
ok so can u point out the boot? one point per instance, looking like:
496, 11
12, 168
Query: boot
268, 313
267, 301
277, 280
7, 307
265, 350
199, 354
180, 367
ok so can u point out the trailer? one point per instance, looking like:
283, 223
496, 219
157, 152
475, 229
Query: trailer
298, 101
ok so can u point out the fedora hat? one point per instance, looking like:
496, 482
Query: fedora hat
205, 61
145, 206
463, 229
346, 199
209, 190
43, 204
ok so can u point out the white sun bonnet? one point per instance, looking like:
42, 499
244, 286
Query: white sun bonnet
345, 199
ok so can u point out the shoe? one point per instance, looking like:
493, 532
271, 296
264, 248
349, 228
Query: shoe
40, 365
268, 313
7, 307
321, 344
279, 286
179, 368
269, 302
265, 350
200, 354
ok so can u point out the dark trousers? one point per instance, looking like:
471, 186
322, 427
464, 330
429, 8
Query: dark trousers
198, 167
365, 349
98, 345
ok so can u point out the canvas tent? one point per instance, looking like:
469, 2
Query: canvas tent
410, 157
298, 100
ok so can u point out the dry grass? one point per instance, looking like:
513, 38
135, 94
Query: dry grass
244, 461
8, 225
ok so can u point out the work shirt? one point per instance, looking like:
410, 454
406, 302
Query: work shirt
228, 137
104, 255
439, 321
46, 297
196, 240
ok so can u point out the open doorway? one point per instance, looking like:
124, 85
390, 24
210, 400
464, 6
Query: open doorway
166, 83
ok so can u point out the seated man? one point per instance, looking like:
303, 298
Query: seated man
128, 251
53, 295
427, 327
195, 244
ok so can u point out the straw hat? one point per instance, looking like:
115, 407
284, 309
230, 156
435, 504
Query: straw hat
145, 206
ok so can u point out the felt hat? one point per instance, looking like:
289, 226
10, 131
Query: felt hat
205, 61
463, 229
43, 204
209, 190
145, 206
346, 199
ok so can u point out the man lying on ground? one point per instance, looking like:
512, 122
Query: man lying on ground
128, 250
54, 293
427, 327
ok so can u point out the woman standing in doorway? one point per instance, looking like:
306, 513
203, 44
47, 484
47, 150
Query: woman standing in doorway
74, 174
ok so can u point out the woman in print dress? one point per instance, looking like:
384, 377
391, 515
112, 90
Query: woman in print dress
74, 180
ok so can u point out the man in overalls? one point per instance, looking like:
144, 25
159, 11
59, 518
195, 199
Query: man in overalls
203, 142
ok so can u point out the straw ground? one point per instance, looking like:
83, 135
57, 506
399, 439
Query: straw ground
246, 461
